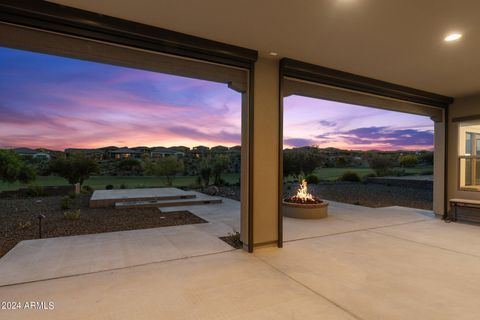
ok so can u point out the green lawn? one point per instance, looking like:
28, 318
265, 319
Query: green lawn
99, 182
335, 173
332, 174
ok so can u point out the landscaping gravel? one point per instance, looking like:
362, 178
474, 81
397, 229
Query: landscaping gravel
369, 194
19, 219
364, 194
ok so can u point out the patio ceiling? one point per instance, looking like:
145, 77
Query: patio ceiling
395, 41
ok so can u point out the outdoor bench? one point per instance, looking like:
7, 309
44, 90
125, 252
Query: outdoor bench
470, 215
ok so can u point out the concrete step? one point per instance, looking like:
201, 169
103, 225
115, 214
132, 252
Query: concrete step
167, 203
108, 198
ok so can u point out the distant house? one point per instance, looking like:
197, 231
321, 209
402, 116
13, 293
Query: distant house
30, 153
235, 149
185, 150
219, 150
161, 152
143, 150
124, 153
200, 151
98, 154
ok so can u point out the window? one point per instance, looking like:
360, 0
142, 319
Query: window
469, 156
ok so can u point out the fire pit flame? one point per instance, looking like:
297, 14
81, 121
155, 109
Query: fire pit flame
303, 196
302, 192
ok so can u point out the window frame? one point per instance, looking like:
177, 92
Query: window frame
474, 157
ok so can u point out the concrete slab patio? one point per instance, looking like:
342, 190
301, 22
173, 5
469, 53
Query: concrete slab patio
66, 256
34, 260
365, 274
361, 263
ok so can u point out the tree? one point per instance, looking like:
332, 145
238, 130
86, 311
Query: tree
166, 167
302, 161
381, 165
291, 165
76, 169
309, 159
219, 165
342, 162
427, 157
12, 168
204, 172
408, 160
130, 167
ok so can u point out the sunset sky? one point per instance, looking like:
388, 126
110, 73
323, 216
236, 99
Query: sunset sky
57, 103
310, 121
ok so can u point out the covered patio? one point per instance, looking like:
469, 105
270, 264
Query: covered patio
360, 262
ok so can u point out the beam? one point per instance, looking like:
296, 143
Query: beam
66, 20
331, 77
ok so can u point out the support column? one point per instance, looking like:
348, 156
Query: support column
265, 155
439, 168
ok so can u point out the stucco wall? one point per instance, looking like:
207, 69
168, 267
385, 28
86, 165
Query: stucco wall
467, 106
265, 155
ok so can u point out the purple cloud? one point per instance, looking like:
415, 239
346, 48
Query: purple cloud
298, 142
391, 137
194, 134
327, 123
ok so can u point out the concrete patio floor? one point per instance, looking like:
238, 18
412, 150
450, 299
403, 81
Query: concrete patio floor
43, 259
361, 263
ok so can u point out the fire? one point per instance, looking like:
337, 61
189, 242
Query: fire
302, 193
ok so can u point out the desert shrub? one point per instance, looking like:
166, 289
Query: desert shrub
221, 182
72, 215
12, 168
35, 191
123, 186
66, 203
408, 161
350, 176
312, 179
24, 225
87, 189
109, 187
233, 239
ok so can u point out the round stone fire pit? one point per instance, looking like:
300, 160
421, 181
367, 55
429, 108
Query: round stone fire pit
304, 206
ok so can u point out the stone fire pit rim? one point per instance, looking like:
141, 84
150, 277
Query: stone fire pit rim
305, 205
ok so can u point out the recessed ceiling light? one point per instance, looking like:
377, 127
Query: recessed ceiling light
273, 54
453, 37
